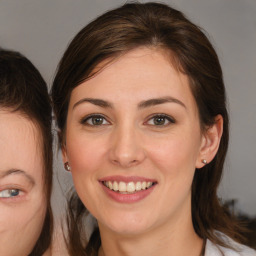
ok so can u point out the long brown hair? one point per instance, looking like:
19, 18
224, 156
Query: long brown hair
152, 25
23, 90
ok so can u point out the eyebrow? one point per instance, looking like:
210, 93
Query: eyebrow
18, 172
97, 102
143, 104
158, 101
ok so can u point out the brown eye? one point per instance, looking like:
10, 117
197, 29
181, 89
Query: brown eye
95, 120
160, 120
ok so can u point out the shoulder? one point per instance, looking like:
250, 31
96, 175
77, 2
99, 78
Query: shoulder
212, 249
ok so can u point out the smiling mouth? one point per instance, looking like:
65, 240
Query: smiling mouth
128, 187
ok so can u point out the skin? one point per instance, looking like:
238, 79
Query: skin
22, 214
130, 143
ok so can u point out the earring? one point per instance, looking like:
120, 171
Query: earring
204, 161
67, 167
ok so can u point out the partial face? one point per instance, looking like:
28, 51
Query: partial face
22, 202
133, 141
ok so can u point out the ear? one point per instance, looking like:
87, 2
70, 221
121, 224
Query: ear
62, 142
64, 153
210, 142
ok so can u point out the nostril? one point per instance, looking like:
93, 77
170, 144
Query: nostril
126, 162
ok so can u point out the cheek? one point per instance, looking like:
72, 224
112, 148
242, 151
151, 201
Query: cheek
21, 224
174, 159
83, 154
175, 153
22, 215
86, 157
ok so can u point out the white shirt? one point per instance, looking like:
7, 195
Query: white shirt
212, 249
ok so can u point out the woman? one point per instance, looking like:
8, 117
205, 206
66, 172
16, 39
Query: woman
140, 103
26, 158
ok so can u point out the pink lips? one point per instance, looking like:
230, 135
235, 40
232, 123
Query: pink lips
133, 197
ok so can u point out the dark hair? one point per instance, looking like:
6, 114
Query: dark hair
160, 26
23, 90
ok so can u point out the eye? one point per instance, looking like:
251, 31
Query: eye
9, 193
95, 120
160, 120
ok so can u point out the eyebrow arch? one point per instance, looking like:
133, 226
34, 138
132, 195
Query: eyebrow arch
97, 102
18, 172
158, 101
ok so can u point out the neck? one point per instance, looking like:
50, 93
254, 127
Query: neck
170, 239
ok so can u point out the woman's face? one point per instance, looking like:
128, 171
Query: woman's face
22, 201
133, 141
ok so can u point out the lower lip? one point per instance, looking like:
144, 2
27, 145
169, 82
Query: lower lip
128, 198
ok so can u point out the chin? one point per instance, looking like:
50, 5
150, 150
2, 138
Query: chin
127, 226
128, 230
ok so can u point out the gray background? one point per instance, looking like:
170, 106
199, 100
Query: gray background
41, 30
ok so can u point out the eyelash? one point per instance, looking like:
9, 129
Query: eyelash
163, 117
89, 120
85, 120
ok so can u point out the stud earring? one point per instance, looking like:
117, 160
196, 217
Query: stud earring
67, 167
204, 161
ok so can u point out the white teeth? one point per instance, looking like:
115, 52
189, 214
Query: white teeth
122, 187
149, 184
115, 186
110, 185
129, 187
138, 186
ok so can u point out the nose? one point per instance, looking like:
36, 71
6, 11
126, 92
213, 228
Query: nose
126, 147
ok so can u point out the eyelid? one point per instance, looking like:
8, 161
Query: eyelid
84, 120
168, 117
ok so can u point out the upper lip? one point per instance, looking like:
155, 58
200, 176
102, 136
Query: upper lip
126, 179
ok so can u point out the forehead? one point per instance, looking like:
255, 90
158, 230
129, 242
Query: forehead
20, 143
143, 72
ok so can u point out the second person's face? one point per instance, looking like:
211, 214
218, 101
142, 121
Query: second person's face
22, 194
133, 141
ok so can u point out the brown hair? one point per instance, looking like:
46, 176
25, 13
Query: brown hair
23, 89
152, 25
